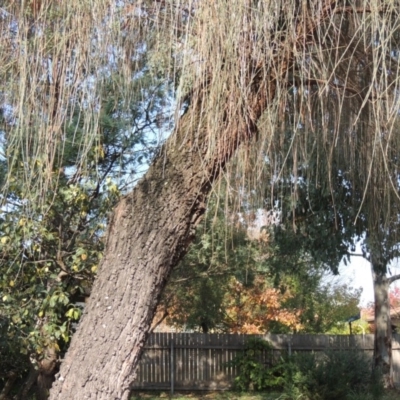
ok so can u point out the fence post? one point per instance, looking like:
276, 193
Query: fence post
172, 366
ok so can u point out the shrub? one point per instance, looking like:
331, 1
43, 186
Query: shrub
256, 367
334, 375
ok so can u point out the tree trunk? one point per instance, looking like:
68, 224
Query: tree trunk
11, 378
383, 326
151, 228
46, 372
25, 388
148, 234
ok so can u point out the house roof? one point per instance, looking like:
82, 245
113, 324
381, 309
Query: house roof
369, 314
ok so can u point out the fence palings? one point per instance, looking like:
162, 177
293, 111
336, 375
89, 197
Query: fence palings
196, 361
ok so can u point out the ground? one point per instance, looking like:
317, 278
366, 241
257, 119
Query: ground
390, 395
206, 396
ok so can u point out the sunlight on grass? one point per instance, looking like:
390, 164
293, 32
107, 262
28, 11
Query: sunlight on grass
153, 395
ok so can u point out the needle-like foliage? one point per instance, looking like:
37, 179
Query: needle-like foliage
326, 72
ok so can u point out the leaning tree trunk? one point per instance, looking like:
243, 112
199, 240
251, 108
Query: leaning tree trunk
148, 233
151, 228
383, 326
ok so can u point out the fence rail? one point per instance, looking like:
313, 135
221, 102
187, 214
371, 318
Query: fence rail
194, 361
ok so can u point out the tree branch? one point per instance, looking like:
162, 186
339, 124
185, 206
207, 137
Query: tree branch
393, 278
358, 255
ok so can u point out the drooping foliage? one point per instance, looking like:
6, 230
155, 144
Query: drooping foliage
331, 66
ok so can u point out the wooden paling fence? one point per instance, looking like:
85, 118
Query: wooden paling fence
194, 361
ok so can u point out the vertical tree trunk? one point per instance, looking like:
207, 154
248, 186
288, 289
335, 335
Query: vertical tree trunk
383, 326
148, 234
47, 370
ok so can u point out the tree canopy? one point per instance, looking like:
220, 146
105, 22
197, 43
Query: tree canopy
236, 69
337, 59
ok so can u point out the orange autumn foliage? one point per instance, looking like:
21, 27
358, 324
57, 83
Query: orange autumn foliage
252, 310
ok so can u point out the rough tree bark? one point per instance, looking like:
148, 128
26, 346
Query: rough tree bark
149, 232
383, 326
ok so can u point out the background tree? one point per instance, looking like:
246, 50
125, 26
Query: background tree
394, 297
239, 277
49, 257
221, 255
331, 219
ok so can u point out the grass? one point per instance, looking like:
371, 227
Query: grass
153, 395
391, 395
220, 395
